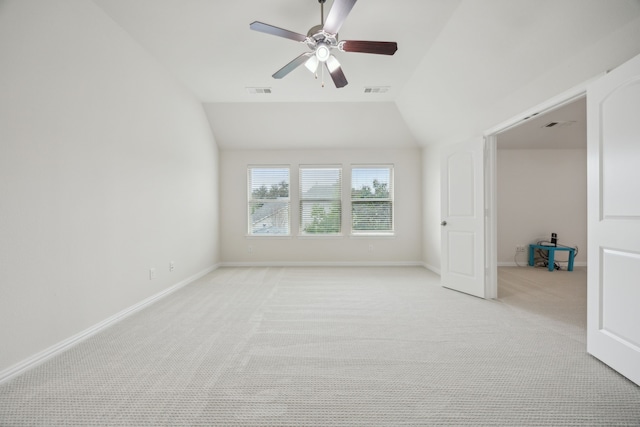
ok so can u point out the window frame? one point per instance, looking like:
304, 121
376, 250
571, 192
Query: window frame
390, 200
302, 201
251, 199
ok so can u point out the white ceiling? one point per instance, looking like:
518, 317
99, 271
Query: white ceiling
462, 66
539, 132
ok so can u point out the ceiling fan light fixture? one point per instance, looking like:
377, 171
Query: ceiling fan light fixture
322, 39
322, 52
332, 63
312, 63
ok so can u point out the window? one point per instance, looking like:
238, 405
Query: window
372, 199
320, 200
268, 200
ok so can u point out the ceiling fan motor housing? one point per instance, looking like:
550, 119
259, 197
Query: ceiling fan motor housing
321, 39
322, 52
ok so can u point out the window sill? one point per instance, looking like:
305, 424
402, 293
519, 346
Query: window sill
390, 235
320, 236
268, 236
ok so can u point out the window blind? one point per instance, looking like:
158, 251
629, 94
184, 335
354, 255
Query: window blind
268, 200
372, 199
320, 200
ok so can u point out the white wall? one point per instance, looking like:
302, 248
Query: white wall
107, 168
540, 192
516, 66
431, 207
405, 247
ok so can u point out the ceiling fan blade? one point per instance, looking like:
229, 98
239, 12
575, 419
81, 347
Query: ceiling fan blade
275, 31
292, 65
336, 72
337, 15
380, 48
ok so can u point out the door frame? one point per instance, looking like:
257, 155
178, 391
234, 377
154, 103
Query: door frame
490, 173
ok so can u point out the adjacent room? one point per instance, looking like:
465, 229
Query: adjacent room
542, 185
285, 213
542, 190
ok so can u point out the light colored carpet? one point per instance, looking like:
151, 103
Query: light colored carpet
335, 346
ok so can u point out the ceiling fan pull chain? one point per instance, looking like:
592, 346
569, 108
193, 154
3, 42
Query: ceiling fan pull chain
321, 39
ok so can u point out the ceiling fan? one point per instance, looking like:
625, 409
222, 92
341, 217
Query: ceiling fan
322, 39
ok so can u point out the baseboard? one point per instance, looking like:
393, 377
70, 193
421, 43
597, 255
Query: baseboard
431, 268
58, 348
324, 264
526, 264
511, 264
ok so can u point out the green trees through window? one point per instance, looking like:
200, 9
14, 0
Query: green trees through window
371, 199
323, 220
380, 190
268, 200
276, 191
320, 200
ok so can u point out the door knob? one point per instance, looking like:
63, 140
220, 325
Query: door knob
443, 223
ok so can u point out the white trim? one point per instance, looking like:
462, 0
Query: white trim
491, 195
372, 236
319, 236
268, 236
323, 264
54, 350
431, 268
554, 103
526, 264
490, 218
510, 264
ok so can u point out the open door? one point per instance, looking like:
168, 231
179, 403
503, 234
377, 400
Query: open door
462, 215
613, 155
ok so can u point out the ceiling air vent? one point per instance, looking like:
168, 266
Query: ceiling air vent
257, 90
558, 124
376, 89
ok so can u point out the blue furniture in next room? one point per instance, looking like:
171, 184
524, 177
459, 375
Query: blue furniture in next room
552, 250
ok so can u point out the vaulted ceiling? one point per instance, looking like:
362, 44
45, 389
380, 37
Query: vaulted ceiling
461, 67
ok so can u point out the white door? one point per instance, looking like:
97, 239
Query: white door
462, 216
613, 153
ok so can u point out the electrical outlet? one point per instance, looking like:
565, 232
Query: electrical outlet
520, 248
172, 266
152, 273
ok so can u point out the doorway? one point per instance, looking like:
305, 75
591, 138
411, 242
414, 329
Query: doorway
535, 184
541, 188
541, 179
